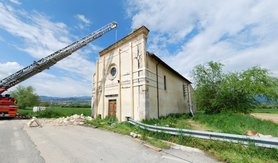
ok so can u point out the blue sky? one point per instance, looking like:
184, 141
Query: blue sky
184, 33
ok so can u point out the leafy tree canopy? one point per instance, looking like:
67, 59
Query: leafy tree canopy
217, 91
25, 96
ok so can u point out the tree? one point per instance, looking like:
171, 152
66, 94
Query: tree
25, 97
238, 92
207, 80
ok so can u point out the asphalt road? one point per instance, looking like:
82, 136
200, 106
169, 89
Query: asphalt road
74, 144
15, 144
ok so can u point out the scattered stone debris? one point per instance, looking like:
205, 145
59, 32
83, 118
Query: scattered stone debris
134, 135
264, 136
34, 123
250, 133
137, 138
72, 120
65, 121
255, 133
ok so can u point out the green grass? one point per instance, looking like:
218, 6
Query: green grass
271, 111
237, 123
157, 143
175, 120
24, 111
111, 124
223, 151
55, 112
234, 123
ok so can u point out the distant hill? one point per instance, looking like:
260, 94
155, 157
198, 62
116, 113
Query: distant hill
61, 99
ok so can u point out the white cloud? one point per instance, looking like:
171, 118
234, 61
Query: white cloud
83, 18
49, 85
15, 2
239, 33
41, 37
8, 68
84, 21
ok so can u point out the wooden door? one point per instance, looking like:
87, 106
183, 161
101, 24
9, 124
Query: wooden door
112, 108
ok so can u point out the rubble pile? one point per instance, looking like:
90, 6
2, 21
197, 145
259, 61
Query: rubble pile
65, 121
72, 120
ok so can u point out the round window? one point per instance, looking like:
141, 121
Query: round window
113, 71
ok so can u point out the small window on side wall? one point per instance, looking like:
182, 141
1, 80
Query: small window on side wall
165, 87
184, 88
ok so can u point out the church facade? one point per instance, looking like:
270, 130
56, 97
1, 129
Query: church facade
131, 82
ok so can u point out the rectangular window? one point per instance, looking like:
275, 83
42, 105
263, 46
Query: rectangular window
185, 89
165, 83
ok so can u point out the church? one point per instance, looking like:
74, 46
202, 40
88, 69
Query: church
131, 82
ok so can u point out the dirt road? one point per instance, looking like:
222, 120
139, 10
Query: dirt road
82, 144
266, 116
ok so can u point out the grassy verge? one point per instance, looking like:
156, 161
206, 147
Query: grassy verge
110, 123
237, 123
24, 111
224, 122
224, 151
55, 112
175, 120
270, 111
179, 121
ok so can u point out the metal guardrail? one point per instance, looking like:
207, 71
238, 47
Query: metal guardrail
241, 139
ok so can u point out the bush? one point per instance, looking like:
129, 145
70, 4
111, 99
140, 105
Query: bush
237, 92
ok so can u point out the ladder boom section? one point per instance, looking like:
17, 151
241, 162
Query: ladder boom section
52, 59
